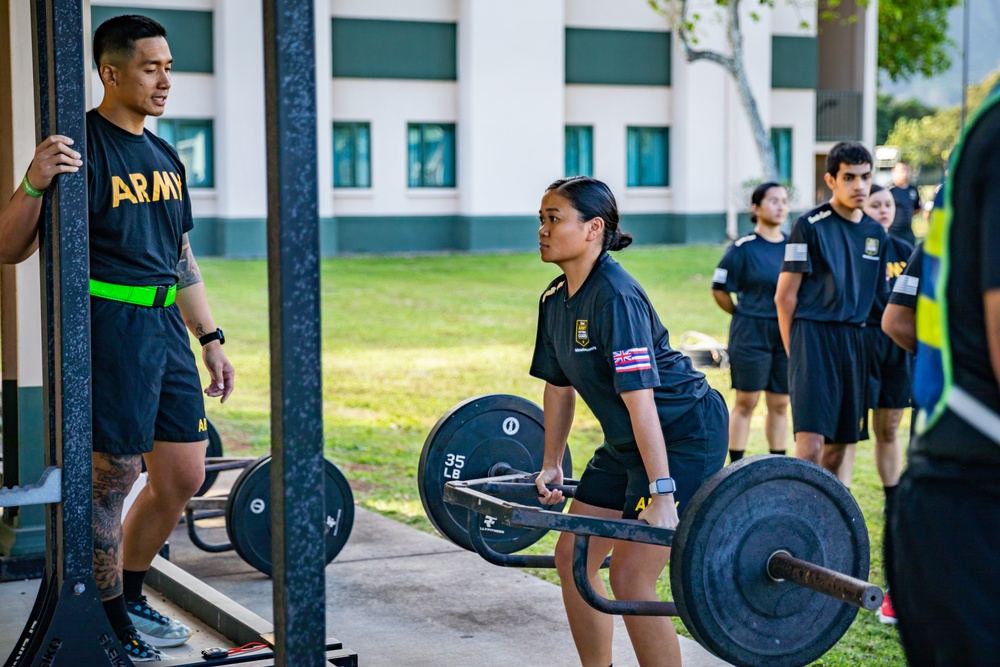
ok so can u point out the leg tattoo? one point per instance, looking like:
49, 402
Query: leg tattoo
114, 476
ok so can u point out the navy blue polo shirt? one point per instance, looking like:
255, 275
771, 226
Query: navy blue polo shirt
750, 268
842, 262
607, 339
897, 254
907, 286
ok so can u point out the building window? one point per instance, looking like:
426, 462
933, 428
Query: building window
352, 155
781, 139
431, 155
192, 139
648, 150
579, 150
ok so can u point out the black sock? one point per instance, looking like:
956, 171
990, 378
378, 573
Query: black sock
118, 616
735, 455
779, 452
887, 541
132, 584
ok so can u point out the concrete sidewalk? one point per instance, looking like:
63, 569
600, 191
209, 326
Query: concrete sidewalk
398, 596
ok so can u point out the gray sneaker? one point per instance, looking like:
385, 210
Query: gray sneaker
155, 628
138, 650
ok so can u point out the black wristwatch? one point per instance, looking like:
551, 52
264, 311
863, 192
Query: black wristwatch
215, 335
662, 486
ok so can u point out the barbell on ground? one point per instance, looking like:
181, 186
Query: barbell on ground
767, 564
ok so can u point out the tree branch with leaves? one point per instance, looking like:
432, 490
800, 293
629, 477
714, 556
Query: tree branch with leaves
676, 12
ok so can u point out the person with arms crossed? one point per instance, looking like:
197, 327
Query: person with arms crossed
145, 287
834, 264
948, 503
757, 359
664, 426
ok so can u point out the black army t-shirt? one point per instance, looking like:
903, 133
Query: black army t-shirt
607, 339
897, 254
750, 268
842, 263
907, 286
139, 205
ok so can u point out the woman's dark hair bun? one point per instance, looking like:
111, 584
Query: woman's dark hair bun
619, 240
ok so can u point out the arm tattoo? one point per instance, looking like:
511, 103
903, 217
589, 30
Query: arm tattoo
199, 330
113, 478
187, 268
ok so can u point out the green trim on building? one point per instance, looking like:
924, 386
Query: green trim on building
617, 57
246, 238
395, 234
794, 62
484, 233
22, 532
675, 228
371, 49
190, 33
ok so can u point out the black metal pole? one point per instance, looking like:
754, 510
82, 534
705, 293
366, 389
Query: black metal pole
69, 591
67, 292
298, 545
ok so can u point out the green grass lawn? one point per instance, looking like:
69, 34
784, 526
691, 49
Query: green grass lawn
406, 338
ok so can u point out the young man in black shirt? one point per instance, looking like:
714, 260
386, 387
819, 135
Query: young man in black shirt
948, 503
145, 287
834, 264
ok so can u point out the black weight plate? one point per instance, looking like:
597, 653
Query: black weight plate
248, 513
718, 571
214, 449
465, 444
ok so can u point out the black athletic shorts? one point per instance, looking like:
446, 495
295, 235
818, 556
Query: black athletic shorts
757, 358
828, 380
890, 372
146, 384
946, 548
697, 444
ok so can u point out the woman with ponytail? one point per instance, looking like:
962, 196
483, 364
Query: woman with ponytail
757, 358
664, 426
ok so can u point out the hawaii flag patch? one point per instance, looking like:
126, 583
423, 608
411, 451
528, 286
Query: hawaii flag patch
635, 359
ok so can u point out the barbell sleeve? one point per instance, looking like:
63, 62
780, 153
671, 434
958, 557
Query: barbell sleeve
783, 566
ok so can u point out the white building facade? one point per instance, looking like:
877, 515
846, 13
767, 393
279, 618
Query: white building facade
442, 121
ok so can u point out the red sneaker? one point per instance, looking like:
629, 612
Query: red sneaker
886, 613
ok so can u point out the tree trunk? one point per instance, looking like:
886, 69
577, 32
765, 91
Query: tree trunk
734, 65
764, 146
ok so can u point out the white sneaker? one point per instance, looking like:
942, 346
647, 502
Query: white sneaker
155, 628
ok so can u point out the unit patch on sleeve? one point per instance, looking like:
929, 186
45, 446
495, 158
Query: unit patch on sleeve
634, 359
796, 252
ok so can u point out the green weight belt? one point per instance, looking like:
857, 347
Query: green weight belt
153, 297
